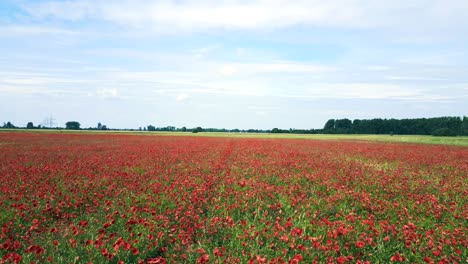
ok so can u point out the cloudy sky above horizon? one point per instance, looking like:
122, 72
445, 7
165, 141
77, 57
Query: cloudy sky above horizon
231, 63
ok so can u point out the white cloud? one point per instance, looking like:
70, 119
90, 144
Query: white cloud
28, 30
281, 67
413, 78
350, 90
274, 79
182, 97
39, 90
108, 93
372, 91
199, 15
240, 51
192, 54
434, 60
378, 68
286, 67
203, 51
16, 89
227, 70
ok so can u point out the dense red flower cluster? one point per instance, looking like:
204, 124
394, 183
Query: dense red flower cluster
152, 199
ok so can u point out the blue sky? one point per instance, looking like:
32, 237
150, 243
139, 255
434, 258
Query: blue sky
231, 63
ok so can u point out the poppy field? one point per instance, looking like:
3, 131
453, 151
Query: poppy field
109, 198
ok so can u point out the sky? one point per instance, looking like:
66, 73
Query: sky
231, 63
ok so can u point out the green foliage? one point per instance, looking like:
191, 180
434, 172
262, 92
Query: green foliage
330, 124
8, 125
443, 132
442, 126
449, 126
74, 125
343, 126
197, 129
30, 125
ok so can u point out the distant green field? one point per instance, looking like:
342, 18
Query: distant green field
456, 141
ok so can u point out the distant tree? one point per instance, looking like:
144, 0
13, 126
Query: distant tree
464, 131
417, 126
443, 132
30, 125
99, 126
343, 126
275, 130
144, 129
330, 124
8, 125
197, 129
184, 129
357, 126
151, 128
104, 127
72, 125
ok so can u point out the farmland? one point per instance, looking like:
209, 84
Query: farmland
125, 198
455, 141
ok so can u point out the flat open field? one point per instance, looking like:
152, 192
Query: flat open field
125, 198
456, 141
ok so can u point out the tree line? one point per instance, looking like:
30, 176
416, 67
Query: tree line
436, 126
71, 125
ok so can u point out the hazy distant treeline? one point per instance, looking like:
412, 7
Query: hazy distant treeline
436, 126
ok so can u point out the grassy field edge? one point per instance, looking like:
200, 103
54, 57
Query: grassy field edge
421, 139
